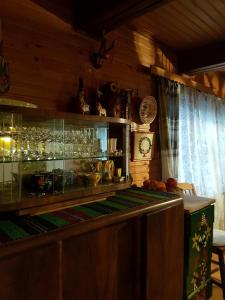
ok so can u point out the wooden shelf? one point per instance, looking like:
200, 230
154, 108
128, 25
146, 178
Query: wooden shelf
23, 202
31, 114
76, 195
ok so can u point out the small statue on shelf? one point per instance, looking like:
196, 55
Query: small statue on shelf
100, 111
112, 99
83, 107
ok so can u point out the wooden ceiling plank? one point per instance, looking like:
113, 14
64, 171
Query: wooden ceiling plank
211, 14
173, 22
203, 15
219, 8
191, 10
170, 25
194, 20
189, 27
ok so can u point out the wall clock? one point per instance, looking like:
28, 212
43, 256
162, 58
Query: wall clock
142, 145
147, 110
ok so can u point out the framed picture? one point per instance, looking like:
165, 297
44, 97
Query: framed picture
142, 145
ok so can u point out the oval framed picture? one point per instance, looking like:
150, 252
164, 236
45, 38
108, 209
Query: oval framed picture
148, 109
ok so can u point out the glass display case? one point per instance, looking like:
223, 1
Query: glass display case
52, 157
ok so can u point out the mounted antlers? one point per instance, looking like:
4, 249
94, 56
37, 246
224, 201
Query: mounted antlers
103, 53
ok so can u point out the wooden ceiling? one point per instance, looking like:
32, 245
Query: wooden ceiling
194, 29
185, 24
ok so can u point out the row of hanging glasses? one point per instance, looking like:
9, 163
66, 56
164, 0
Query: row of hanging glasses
29, 143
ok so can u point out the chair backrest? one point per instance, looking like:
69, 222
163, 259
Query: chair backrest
187, 188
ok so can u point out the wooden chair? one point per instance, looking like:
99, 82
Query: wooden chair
219, 250
218, 245
187, 188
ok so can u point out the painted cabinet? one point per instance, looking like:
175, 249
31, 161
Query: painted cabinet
198, 251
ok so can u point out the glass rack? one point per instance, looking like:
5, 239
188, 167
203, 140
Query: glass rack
47, 156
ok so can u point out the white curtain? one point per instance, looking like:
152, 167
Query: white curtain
201, 158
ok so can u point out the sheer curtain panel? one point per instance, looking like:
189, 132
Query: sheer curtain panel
202, 146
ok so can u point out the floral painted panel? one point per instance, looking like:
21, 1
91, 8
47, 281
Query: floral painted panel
198, 250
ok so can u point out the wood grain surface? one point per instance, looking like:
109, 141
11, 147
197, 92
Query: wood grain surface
47, 57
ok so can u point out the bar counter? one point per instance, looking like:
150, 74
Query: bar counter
125, 239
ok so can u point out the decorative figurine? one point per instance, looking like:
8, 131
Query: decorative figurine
100, 111
112, 99
83, 107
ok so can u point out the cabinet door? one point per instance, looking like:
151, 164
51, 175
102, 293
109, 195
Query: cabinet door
164, 254
31, 275
102, 265
198, 252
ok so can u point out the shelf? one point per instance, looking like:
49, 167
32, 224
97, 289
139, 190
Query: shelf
59, 146
31, 114
76, 195
62, 159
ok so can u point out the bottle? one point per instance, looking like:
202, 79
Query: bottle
128, 105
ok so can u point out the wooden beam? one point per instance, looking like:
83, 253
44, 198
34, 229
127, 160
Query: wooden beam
203, 59
180, 79
111, 14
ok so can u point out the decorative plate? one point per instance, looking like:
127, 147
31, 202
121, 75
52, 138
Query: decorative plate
148, 110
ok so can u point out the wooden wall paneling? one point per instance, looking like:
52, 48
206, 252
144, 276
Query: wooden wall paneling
47, 57
214, 80
155, 169
139, 167
139, 171
186, 80
31, 275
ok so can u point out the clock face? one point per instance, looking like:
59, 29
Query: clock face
148, 110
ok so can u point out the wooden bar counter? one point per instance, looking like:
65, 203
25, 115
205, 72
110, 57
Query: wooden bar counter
128, 246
